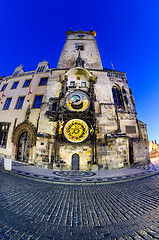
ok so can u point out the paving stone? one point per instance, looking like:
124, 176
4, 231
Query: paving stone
39, 210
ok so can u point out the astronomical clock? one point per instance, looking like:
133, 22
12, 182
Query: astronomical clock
76, 130
77, 101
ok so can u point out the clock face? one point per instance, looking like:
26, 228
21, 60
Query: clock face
77, 101
76, 130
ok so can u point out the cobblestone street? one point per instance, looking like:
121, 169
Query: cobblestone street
32, 209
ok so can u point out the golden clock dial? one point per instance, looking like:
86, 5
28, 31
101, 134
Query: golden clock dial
76, 130
77, 101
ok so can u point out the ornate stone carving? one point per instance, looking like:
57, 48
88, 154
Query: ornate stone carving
22, 127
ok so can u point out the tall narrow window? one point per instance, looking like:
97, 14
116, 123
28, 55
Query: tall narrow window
117, 97
37, 101
7, 103
19, 103
27, 83
14, 86
4, 128
43, 81
54, 106
4, 87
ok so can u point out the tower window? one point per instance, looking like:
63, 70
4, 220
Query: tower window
7, 103
37, 101
126, 100
72, 83
43, 82
80, 47
54, 106
117, 97
81, 35
15, 84
4, 128
4, 87
19, 103
123, 90
83, 84
27, 83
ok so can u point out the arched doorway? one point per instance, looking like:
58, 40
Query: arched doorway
24, 140
75, 162
24, 146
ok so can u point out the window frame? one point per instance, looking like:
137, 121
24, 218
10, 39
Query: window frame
4, 87
83, 84
72, 85
22, 102
4, 134
4, 107
41, 81
35, 99
26, 81
117, 96
16, 85
80, 47
54, 106
40, 69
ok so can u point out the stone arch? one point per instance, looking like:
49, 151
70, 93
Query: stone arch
23, 127
19, 130
79, 70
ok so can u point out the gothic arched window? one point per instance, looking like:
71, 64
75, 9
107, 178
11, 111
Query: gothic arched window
117, 97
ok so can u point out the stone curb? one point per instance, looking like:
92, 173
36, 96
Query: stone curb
94, 181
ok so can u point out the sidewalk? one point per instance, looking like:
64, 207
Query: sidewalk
106, 176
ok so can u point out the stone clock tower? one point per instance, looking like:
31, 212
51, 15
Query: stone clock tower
77, 116
77, 122
88, 118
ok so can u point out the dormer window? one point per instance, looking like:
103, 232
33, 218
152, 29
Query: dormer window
18, 71
15, 74
41, 69
42, 66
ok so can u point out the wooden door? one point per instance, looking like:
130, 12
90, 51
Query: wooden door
24, 147
75, 162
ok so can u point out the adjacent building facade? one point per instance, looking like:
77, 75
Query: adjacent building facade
77, 116
153, 149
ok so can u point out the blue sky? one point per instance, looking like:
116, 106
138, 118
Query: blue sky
127, 35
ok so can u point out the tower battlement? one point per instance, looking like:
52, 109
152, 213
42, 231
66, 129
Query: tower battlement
83, 41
